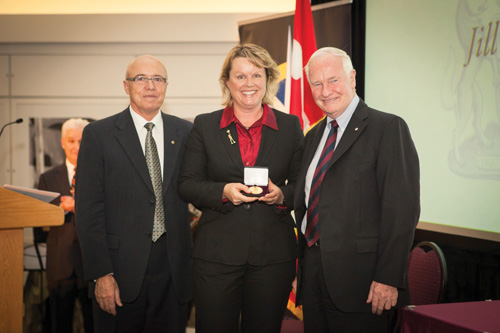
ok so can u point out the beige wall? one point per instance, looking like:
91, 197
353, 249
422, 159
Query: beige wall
58, 66
73, 66
412, 49
142, 7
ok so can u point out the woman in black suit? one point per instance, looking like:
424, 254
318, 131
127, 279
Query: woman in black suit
245, 246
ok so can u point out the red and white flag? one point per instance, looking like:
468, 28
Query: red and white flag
301, 102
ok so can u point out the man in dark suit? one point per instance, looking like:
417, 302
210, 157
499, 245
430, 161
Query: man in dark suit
357, 205
133, 228
64, 259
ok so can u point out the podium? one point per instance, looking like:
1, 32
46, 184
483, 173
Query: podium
18, 211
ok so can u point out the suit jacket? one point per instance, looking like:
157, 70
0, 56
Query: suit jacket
369, 205
115, 204
63, 250
256, 233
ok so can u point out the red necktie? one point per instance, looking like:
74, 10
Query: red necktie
312, 232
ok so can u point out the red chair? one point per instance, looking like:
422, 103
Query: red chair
427, 274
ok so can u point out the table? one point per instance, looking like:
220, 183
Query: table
452, 317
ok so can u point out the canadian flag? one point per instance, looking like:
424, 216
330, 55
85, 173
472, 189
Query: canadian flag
301, 102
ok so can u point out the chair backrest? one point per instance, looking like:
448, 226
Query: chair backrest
427, 274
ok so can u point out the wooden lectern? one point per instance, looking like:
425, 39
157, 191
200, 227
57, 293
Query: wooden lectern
18, 211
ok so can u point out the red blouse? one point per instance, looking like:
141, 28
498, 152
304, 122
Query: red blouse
249, 138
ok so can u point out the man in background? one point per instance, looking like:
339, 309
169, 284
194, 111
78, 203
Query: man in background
64, 259
357, 204
133, 227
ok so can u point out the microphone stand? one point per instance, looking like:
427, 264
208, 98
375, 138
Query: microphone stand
18, 121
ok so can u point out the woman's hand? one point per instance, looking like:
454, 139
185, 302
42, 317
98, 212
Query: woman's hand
274, 195
232, 191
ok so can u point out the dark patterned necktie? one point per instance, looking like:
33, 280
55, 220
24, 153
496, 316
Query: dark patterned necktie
154, 166
73, 181
312, 232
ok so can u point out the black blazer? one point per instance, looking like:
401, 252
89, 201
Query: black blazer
115, 204
256, 233
369, 206
63, 250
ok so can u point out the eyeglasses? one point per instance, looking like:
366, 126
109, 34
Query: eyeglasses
143, 80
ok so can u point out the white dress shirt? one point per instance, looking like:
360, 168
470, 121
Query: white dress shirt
342, 121
139, 123
71, 172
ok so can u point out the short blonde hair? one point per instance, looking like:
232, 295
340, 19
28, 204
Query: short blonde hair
73, 123
258, 56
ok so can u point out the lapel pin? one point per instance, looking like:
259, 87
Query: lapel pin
172, 142
356, 129
231, 140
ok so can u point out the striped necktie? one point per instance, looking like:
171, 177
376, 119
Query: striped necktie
312, 232
73, 181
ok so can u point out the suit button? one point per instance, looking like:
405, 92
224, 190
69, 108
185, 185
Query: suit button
246, 206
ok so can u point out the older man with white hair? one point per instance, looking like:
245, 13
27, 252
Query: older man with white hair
64, 258
357, 204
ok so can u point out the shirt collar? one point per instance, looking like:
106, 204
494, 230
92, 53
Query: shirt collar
139, 121
268, 117
345, 117
69, 165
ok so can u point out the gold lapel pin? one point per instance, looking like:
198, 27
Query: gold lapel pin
231, 140
356, 129
172, 142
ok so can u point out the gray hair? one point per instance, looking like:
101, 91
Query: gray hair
331, 52
73, 123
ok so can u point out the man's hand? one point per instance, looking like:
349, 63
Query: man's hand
273, 196
107, 294
68, 203
382, 297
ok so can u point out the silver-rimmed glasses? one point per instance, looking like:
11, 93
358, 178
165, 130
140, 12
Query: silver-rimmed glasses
143, 80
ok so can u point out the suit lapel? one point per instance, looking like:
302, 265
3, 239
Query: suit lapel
314, 144
129, 140
171, 147
233, 149
62, 179
354, 129
309, 150
269, 135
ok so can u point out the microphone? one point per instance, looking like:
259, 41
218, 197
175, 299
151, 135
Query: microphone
18, 121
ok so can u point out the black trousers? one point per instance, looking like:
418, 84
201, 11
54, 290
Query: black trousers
156, 309
320, 313
62, 298
225, 293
